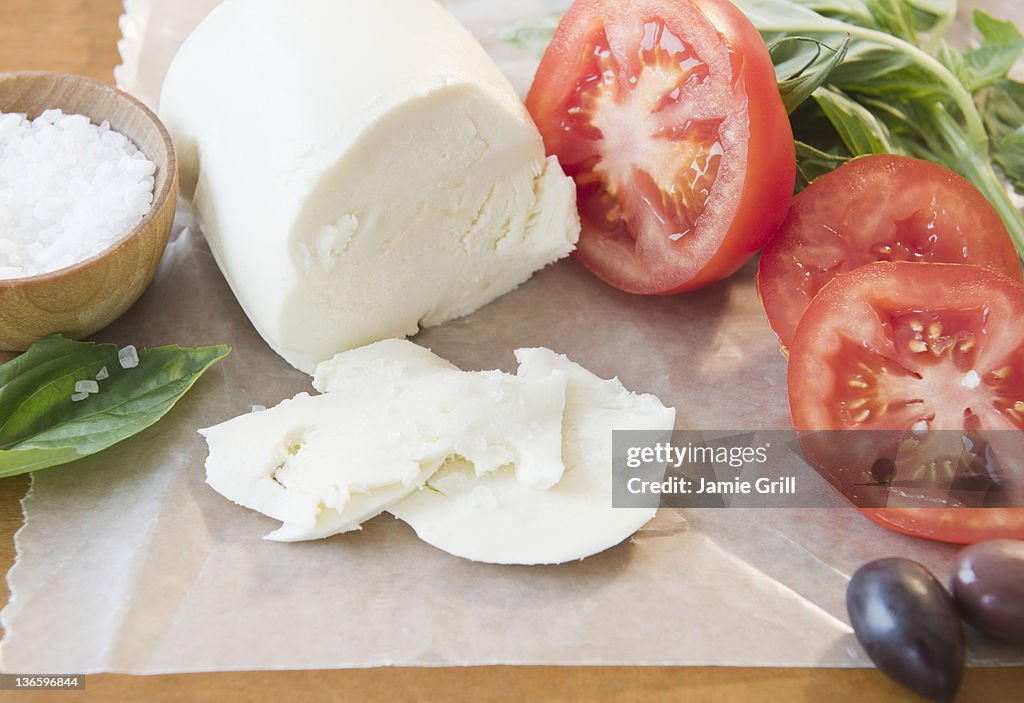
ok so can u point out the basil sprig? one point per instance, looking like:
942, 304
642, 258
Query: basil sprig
902, 89
40, 425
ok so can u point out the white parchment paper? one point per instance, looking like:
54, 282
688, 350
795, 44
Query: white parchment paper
129, 563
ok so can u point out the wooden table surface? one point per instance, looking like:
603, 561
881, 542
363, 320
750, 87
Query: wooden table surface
80, 36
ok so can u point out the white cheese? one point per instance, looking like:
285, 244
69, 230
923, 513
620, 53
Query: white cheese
495, 518
484, 465
324, 464
360, 169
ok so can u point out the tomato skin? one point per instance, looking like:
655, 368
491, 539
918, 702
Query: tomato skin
956, 525
771, 158
850, 308
920, 211
731, 236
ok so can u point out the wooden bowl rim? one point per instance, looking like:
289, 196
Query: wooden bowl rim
159, 198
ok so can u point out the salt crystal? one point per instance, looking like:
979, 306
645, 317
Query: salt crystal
69, 190
128, 357
87, 387
258, 408
76, 397
103, 374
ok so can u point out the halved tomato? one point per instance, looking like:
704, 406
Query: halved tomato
877, 208
668, 116
919, 348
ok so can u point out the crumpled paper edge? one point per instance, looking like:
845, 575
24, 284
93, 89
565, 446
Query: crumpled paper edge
133, 23
12, 599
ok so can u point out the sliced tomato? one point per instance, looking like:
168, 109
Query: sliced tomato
957, 525
667, 115
917, 348
877, 208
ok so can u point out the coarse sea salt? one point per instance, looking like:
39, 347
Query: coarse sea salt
128, 357
87, 386
69, 189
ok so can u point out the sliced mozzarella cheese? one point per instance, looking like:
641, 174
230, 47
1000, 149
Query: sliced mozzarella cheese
360, 169
495, 518
324, 464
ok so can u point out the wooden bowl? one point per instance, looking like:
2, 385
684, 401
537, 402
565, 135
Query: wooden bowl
87, 296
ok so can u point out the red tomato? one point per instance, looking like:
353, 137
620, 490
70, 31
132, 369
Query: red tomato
916, 347
959, 525
668, 116
877, 208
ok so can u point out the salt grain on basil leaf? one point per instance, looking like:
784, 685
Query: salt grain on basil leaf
40, 426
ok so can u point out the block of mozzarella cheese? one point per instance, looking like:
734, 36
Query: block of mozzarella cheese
324, 464
495, 518
360, 169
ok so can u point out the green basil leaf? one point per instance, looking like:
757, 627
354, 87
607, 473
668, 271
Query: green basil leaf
986, 65
532, 36
893, 16
996, 32
785, 16
953, 60
812, 162
853, 11
802, 64
934, 7
1003, 112
933, 16
931, 89
861, 131
40, 426
866, 62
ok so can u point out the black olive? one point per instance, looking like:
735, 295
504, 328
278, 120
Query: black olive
988, 585
908, 625
883, 471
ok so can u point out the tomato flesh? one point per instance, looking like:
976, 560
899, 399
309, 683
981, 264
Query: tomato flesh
648, 163
877, 208
659, 110
917, 348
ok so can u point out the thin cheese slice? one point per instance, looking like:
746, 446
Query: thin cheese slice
324, 464
495, 518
